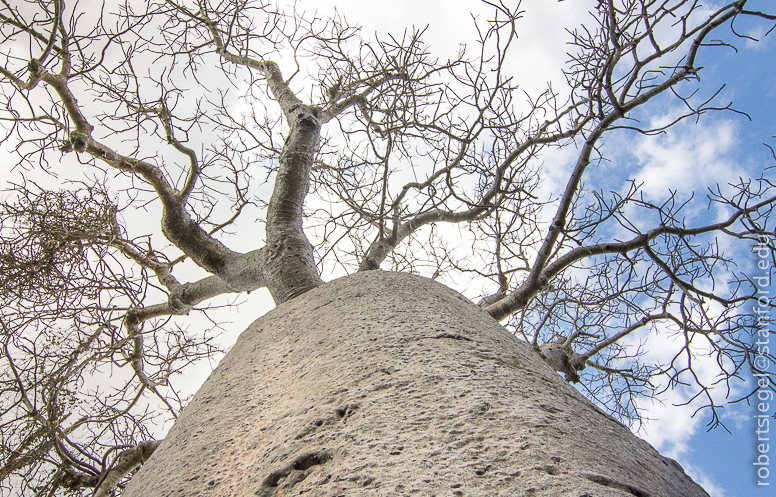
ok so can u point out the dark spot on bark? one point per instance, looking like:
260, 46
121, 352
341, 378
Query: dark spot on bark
308, 121
274, 478
322, 305
296, 470
552, 470
453, 336
310, 459
79, 144
346, 411
482, 471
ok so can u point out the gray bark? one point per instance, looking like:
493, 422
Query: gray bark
390, 384
290, 266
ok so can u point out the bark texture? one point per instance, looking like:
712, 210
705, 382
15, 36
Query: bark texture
390, 384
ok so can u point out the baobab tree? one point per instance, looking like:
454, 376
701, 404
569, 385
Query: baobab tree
354, 154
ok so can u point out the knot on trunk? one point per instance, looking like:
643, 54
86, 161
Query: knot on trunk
562, 358
35, 68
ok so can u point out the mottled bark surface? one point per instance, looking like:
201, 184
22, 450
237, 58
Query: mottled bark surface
390, 384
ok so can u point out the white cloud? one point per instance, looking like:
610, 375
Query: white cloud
689, 157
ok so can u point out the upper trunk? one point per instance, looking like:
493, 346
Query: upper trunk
391, 384
289, 264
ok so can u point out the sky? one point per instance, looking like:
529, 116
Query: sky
721, 145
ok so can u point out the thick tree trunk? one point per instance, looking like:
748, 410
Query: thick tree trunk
389, 384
